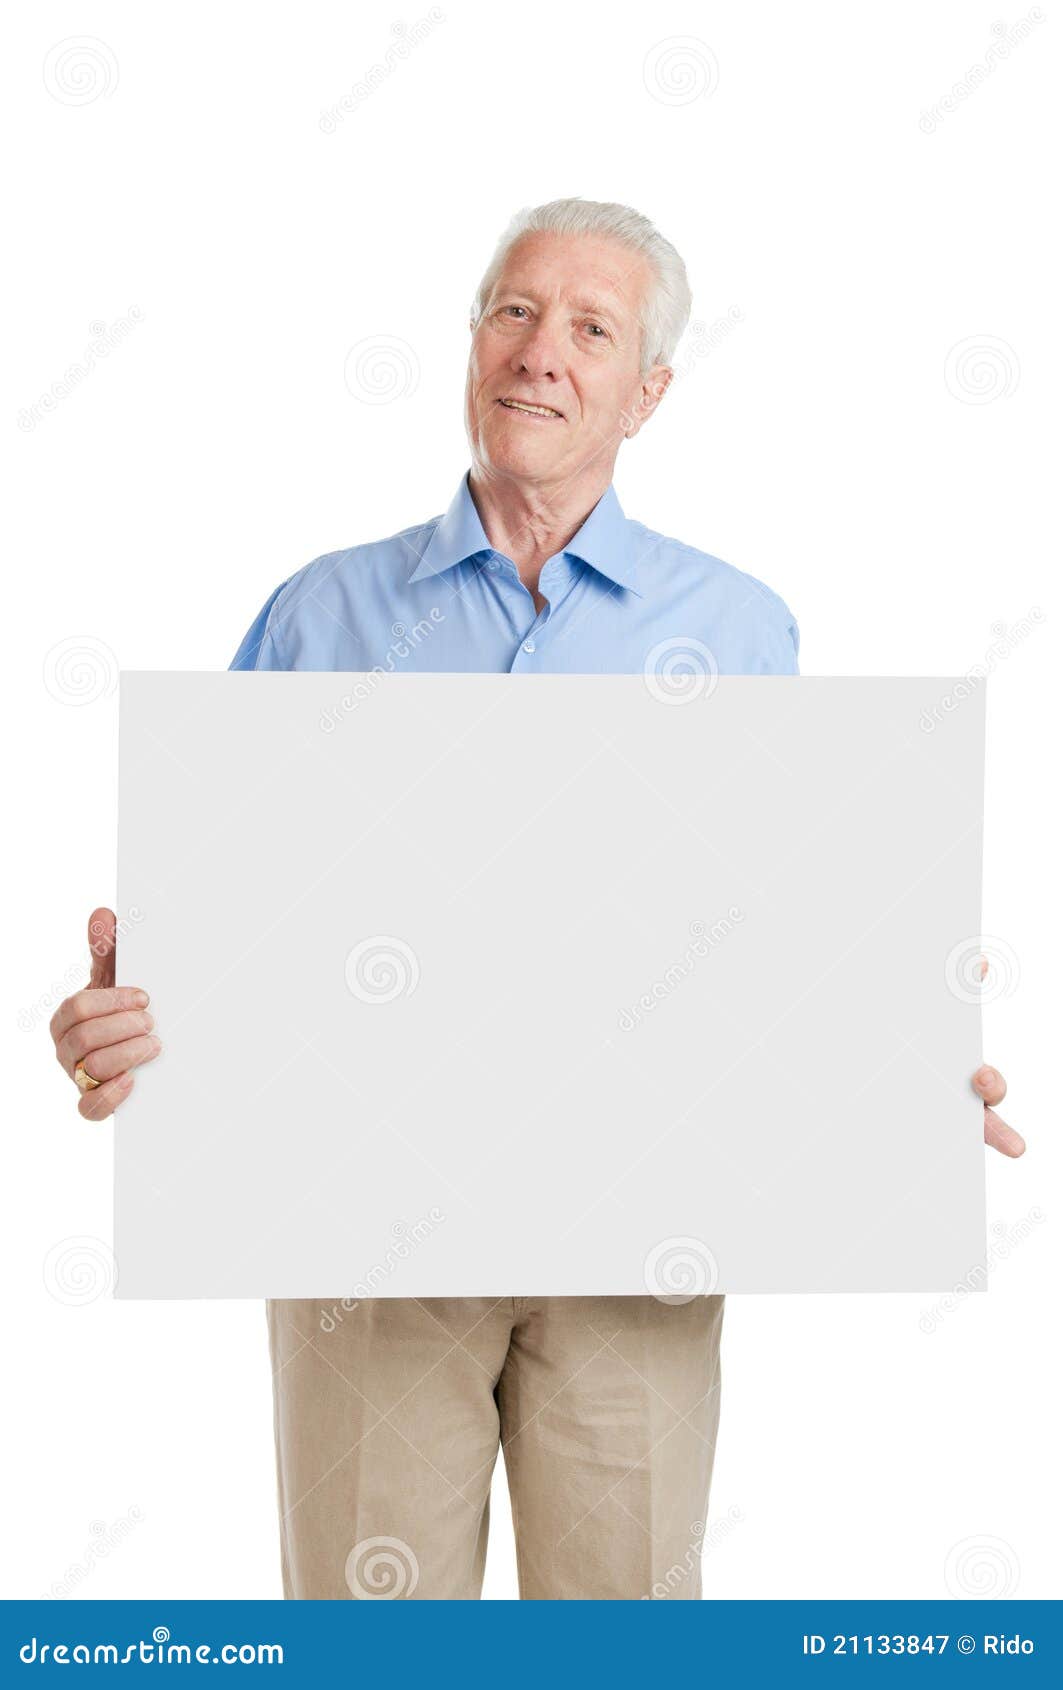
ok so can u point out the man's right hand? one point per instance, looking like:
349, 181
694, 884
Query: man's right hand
105, 1027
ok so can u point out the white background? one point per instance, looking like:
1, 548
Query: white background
839, 442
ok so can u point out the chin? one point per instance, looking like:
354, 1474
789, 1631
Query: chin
514, 457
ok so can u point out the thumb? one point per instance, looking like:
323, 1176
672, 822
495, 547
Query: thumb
101, 945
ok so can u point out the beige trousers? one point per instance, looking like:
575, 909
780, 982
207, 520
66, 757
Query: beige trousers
389, 1413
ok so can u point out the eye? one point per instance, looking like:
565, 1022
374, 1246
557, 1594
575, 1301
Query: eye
506, 308
597, 331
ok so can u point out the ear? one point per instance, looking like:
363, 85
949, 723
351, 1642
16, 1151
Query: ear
651, 391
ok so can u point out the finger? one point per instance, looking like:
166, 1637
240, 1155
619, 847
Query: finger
990, 1084
91, 1002
107, 1064
102, 1030
101, 945
97, 1105
1002, 1137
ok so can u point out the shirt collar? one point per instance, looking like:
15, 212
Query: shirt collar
605, 540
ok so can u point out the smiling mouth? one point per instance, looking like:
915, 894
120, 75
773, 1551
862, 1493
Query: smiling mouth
530, 410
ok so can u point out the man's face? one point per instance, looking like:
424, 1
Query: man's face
560, 332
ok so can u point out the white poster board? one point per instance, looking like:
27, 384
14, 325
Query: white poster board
478, 984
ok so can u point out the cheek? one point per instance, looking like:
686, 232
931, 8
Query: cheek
478, 376
603, 395
486, 358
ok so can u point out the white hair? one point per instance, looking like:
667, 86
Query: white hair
663, 313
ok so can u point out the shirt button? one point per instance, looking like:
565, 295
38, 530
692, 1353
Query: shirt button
493, 564
528, 646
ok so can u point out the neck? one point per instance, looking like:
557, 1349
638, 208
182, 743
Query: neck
530, 522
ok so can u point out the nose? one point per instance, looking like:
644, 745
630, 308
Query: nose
540, 354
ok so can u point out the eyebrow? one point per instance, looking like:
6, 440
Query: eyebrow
597, 307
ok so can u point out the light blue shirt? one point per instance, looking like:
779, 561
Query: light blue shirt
621, 599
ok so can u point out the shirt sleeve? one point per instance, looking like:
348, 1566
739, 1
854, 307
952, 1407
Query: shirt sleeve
259, 648
794, 633
776, 644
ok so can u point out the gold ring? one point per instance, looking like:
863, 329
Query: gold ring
83, 1080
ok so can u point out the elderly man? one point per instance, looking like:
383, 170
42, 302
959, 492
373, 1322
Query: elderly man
607, 1408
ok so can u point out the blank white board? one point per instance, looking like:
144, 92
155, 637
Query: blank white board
485, 985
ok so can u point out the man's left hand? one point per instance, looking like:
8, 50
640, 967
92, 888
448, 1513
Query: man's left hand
990, 1085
